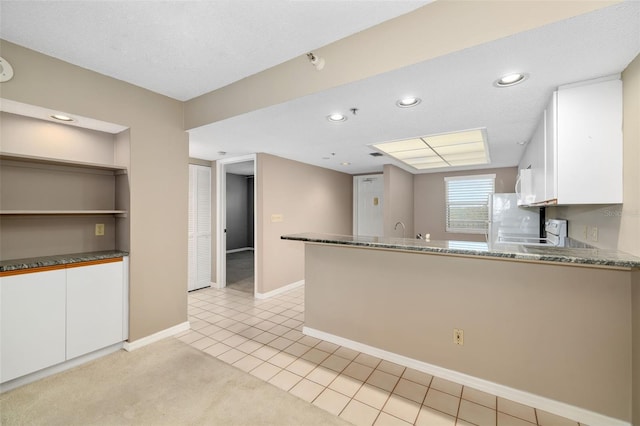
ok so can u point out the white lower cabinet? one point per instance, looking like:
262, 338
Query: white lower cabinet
32, 335
50, 317
94, 307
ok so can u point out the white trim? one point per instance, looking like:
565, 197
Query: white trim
137, 344
556, 407
240, 249
215, 285
125, 298
280, 290
54, 369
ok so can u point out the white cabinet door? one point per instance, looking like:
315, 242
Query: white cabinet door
590, 144
32, 312
550, 150
530, 184
94, 307
537, 163
577, 158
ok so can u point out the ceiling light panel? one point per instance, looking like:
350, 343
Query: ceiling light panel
463, 148
414, 153
433, 165
455, 138
399, 146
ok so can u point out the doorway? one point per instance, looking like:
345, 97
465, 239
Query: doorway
240, 217
236, 254
368, 205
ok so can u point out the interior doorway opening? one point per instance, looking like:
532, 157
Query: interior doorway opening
236, 257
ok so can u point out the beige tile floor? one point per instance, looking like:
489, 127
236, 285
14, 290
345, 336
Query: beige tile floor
264, 338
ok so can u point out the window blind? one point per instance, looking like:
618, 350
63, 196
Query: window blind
467, 203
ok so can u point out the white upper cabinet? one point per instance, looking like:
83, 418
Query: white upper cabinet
589, 144
550, 182
575, 154
530, 185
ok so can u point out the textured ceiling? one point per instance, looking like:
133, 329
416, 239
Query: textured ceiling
184, 49
457, 94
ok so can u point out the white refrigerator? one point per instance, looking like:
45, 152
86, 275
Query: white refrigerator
510, 223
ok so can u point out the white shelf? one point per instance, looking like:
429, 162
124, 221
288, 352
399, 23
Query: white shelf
61, 212
60, 162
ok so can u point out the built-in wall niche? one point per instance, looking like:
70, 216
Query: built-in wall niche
55, 205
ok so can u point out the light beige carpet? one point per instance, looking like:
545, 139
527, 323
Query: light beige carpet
166, 383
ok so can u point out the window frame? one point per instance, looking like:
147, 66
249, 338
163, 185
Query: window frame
483, 229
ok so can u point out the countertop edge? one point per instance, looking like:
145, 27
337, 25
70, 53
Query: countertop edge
60, 259
497, 254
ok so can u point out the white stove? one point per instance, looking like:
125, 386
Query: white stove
556, 231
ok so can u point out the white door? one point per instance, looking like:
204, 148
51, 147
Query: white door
199, 227
367, 205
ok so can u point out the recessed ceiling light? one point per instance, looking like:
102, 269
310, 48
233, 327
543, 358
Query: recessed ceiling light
62, 117
336, 117
346, 164
510, 80
409, 101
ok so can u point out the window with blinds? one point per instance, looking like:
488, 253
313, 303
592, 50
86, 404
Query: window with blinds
467, 203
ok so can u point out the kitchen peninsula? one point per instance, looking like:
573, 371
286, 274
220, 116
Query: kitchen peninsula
548, 327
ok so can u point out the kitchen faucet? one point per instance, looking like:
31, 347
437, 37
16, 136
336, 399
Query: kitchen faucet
403, 228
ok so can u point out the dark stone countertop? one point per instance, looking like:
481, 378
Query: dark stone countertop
60, 259
587, 256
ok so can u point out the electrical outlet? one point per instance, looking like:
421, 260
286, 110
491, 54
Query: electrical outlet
592, 233
99, 229
458, 336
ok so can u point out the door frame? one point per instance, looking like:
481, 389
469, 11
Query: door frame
221, 219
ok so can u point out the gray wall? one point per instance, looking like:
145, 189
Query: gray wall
239, 211
306, 199
398, 202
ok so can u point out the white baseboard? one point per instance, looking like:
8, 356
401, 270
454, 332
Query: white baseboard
578, 414
280, 290
137, 344
240, 249
55, 369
